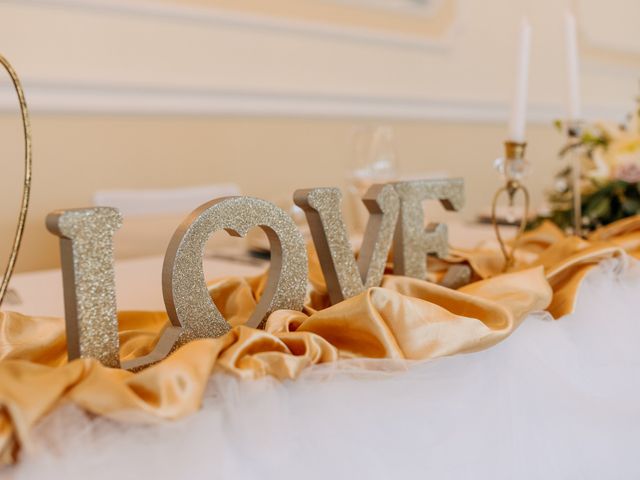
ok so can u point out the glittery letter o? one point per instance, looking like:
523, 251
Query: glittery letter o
191, 311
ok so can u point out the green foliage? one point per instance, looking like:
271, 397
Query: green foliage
606, 202
605, 198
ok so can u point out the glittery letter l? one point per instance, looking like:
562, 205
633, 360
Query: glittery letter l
412, 242
344, 276
86, 253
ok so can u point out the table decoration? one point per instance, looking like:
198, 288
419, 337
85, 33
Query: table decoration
403, 319
573, 125
513, 166
557, 399
89, 285
86, 255
413, 243
575, 160
603, 164
344, 275
517, 120
26, 183
599, 183
572, 64
573, 122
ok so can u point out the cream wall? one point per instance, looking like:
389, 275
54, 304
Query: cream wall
160, 93
268, 158
161, 56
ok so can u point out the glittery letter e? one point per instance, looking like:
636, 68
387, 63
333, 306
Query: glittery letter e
412, 242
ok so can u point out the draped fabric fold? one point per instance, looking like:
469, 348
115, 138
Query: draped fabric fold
404, 318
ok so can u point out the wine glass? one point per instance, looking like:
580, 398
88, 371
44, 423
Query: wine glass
373, 161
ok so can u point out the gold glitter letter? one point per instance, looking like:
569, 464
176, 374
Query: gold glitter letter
186, 296
344, 277
412, 242
86, 252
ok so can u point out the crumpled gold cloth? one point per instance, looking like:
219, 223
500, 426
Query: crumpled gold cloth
404, 318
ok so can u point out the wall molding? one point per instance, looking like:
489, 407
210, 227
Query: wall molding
93, 99
212, 15
110, 98
406, 6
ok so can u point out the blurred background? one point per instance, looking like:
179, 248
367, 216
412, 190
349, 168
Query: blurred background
270, 96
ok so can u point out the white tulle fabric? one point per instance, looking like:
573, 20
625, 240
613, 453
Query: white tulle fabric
556, 400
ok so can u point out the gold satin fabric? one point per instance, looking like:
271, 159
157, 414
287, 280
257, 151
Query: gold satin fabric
404, 318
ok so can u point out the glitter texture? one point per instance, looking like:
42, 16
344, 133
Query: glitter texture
185, 290
383, 204
412, 242
456, 277
86, 251
344, 276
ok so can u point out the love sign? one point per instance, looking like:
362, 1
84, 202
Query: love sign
396, 220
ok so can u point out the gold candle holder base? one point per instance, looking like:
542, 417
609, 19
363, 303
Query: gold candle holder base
513, 168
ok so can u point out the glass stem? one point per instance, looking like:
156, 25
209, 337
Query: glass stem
577, 194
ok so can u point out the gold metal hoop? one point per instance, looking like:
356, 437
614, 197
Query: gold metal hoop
26, 186
511, 188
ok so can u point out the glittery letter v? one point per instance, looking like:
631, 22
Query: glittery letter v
346, 277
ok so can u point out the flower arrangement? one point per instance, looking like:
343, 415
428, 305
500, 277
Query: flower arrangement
610, 176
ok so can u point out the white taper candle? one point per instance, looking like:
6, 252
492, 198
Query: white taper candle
573, 79
518, 118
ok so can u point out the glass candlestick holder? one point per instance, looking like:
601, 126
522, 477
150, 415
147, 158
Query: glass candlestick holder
513, 168
574, 141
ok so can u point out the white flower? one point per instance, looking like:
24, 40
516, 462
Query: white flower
621, 157
601, 168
